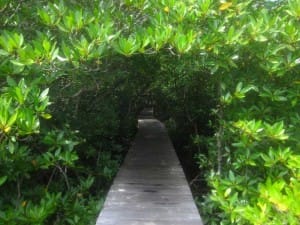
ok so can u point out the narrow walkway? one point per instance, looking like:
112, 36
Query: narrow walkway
150, 188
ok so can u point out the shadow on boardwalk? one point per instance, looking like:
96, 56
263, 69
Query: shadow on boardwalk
150, 188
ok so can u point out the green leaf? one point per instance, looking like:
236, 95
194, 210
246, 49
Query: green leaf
12, 119
46, 45
227, 192
276, 131
44, 16
3, 180
11, 82
46, 116
4, 53
43, 96
294, 8
19, 95
16, 62
126, 46
11, 147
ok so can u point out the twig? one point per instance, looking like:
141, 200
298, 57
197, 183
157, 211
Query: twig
50, 179
13, 14
64, 173
194, 180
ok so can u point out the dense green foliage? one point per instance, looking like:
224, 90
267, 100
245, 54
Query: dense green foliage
74, 75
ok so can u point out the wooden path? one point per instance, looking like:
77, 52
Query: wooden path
150, 188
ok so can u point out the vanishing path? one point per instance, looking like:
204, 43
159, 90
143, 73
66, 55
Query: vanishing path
150, 188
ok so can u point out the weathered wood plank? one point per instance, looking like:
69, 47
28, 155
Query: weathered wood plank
150, 188
150, 222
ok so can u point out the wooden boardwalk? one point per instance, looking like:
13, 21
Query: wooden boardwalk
150, 188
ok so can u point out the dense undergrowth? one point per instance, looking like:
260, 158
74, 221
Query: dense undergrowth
224, 76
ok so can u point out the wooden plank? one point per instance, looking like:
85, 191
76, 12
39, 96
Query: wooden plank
150, 188
150, 222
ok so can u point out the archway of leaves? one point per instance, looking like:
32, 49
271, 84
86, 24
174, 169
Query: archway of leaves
75, 74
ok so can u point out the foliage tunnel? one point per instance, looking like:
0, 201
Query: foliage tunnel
223, 76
